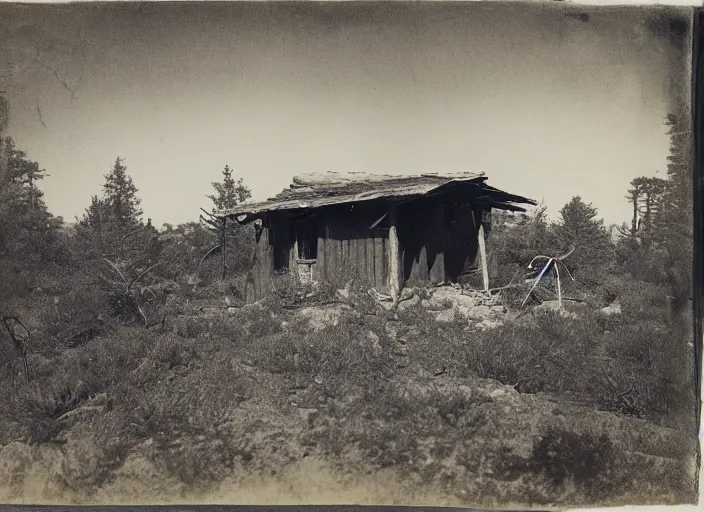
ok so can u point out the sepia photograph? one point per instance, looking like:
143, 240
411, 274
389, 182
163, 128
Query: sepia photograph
347, 253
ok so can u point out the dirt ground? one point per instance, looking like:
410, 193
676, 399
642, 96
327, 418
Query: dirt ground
432, 437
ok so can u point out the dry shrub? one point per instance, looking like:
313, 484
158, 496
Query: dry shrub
350, 355
586, 460
546, 355
78, 316
188, 422
38, 411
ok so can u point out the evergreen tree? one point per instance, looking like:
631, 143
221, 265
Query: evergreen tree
578, 227
111, 226
27, 230
120, 195
647, 196
96, 215
673, 235
229, 193
4, 120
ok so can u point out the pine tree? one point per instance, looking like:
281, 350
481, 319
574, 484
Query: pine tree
579, 228
111, 226
674, 233
230, 193
646, 195
27, 228
120, 194
4, 120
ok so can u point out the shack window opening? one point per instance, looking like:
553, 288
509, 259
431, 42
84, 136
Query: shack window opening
307, 239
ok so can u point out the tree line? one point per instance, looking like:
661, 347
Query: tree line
655, 249
112, 249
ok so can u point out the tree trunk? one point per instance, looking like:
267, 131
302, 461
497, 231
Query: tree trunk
634, 224
224, 247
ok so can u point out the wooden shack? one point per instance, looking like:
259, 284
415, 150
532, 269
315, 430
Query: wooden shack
384, 231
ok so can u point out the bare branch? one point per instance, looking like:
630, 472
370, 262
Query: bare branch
209, 214
143, 274
19, 344
215, 225
206, 255
117, 270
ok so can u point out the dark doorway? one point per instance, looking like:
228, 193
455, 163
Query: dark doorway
461, 244
306, 232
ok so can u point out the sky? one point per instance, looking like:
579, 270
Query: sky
549, 105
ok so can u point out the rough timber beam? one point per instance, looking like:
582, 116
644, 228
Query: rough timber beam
394, 256
482, 257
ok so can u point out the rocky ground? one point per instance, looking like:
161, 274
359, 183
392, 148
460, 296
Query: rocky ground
426, 434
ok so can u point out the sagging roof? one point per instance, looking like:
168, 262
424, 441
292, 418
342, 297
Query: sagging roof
311, 191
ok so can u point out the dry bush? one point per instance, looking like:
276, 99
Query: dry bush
38, 411
350, 355
188, 422
77, 316
548, 354
107, 361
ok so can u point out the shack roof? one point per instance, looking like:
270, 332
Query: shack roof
310, 191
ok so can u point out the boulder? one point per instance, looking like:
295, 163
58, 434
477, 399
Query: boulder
612, 309
321, 317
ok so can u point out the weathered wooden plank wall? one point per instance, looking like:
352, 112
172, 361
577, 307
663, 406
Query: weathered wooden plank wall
349, 249
436, 244
259, 281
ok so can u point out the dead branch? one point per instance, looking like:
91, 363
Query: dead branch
206, 255
19, 344
507, 287
117, 270
143, 274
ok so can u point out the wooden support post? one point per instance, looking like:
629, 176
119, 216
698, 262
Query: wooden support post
482, 257
559, 288
224, 247
394, 256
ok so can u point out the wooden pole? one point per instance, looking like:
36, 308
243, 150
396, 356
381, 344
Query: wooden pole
482, 257
224, 246
394, 256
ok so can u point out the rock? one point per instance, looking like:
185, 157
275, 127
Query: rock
553, 305
392, 328
372, 341
320, 318
468, 304
504, 394
307, 414
612, 309
401, 351
477, 312
409, 303
446, 316
488, 324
